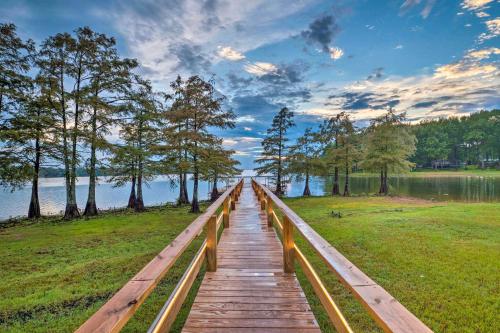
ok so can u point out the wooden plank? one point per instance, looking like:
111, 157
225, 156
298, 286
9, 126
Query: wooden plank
391, 315
252, 306
253, 323
115, 313
238, 314
249, 330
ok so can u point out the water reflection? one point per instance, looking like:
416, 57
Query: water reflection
462, 188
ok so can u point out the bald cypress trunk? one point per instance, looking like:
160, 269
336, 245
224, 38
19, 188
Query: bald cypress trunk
139, 202
131, 198
183, 195
307, 191
335, 189
91, 206
215, 191
34, 208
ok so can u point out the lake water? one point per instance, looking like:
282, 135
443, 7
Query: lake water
52, 192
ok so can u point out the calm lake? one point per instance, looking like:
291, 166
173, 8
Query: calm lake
52, 193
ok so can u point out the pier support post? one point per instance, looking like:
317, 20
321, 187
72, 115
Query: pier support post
212, 244
288, 246
269, 210
225, 213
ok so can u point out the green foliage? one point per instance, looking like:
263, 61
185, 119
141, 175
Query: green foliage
275, 149
466, 140
197, 107
304, 158
388, 144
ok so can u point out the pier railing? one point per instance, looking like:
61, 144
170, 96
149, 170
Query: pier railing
115, 313
388, 313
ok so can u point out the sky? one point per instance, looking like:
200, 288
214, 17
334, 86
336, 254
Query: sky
428, 58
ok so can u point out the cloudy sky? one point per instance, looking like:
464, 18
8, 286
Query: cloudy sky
429, 58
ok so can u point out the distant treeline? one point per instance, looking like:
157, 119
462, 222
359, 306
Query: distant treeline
388, 145
454, 142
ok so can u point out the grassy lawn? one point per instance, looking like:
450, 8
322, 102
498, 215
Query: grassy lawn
56, 274
440, 260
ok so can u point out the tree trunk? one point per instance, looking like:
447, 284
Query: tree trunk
91, 207
215, 192
336, 189
139, 203
34, 209
381, 188
307, 191
386, 188
183, 195
71, 210
72, 207
279, 190
346, 185
131, 198
195, 206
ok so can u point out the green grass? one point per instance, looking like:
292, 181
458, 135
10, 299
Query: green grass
56, 274
440, 260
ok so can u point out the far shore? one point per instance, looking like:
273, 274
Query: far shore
438, 173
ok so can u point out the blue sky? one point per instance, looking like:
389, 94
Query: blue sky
429, 58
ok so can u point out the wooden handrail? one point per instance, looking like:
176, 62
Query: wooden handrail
115, 313
389, 314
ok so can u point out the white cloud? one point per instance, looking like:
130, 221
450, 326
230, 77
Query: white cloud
261, 68
464, 70
248, 129
245, 119
494, 26
475, 4
483, 54
482, 14
398, 47
336, 53
228, 53
241, 153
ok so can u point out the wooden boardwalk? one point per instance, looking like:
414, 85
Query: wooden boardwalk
250, 285
249, 291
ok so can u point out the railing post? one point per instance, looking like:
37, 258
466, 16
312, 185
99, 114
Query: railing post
269, 210
225, 213
212, 244
288, 246
233, 202
263, 202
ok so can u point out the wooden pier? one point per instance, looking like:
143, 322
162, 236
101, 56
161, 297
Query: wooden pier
250, 283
